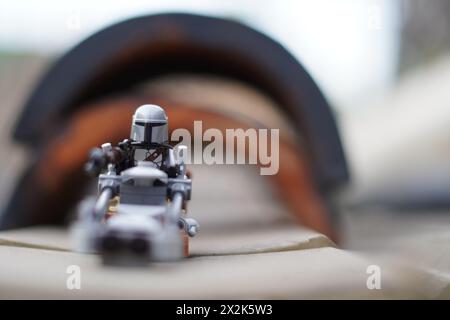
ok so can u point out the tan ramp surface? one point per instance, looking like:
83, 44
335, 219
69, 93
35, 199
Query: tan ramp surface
277, 238
283, 262
313, 273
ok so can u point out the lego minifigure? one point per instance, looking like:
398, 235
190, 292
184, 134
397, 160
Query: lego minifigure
143, 188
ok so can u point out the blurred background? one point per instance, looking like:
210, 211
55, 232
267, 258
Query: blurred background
384, 66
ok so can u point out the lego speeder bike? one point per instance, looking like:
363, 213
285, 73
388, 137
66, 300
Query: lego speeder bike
142, 194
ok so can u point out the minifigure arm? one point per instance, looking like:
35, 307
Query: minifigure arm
100, 158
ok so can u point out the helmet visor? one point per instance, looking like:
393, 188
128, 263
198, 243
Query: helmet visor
150, 132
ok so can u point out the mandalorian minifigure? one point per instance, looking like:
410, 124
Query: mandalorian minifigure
142, 191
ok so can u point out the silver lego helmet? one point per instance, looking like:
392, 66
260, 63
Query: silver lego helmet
149, 125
